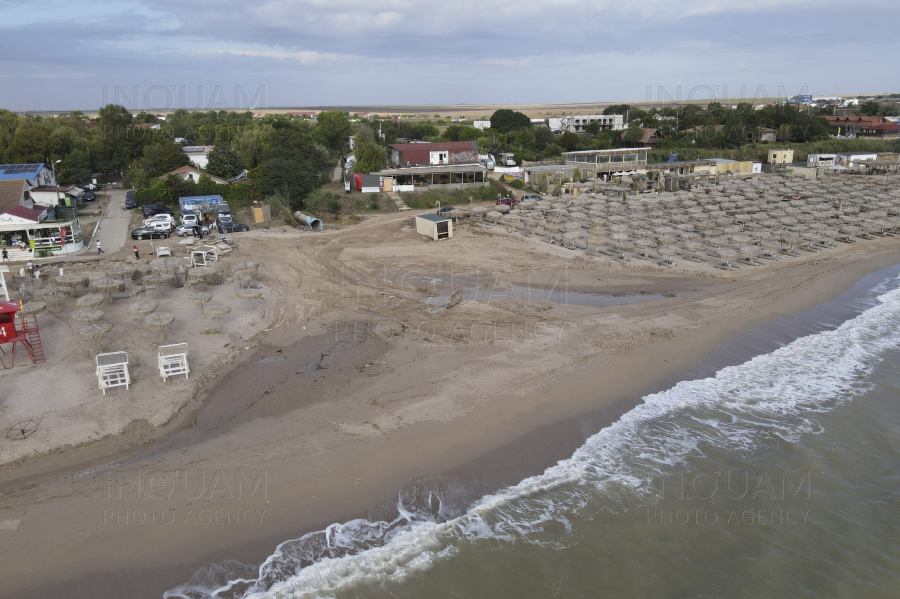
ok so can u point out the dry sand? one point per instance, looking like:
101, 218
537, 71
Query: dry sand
356, 390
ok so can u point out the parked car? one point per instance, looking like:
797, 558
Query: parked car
507, 201
229, 226
148, 233
444, 210
129, 193
160, 218
188, 229
151, 209
190, 218
89, 196
531, 196
223, 212
130, 203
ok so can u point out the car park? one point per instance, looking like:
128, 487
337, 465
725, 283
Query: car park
507, 201
188, 229
232, 227
148, 233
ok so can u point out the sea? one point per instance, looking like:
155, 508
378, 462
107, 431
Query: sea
770, 470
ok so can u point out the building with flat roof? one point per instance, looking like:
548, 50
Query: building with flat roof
460, 176
594, 163
577, 123
781, 156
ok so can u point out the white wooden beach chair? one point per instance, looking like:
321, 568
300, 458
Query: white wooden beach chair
112, 370
173, 360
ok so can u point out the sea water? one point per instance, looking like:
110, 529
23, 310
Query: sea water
775, 476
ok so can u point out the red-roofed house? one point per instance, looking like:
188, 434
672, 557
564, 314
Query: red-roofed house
25, 215
14, 192
651, 139
432, 154
879, 131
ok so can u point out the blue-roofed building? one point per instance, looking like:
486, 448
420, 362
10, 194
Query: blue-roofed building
37, 175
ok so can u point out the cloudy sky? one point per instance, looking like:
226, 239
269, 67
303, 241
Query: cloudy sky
153, 54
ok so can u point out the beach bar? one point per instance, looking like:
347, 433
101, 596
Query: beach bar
26, 234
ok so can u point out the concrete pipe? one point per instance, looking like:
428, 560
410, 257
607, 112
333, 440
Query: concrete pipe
310, 221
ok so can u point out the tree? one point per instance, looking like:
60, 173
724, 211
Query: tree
294, 164
333, 129
592, 128
224, 162
569, 141
869, 108
29, 144
506, 120
633, 134
369, 155
617, 109
543, 137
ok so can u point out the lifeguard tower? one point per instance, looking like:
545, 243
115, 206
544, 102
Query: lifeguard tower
18, 329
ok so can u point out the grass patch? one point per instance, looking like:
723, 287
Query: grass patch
424, 200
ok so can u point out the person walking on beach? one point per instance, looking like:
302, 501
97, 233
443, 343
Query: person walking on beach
99, 249
5, 255
137, 254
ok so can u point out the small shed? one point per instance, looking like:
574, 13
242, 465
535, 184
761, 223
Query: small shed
434, 226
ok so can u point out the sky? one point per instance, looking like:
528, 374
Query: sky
239, 55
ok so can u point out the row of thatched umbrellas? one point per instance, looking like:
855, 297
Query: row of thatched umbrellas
162, 273
751, 216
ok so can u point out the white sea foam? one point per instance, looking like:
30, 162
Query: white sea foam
775, 395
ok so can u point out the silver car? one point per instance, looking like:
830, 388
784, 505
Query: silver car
188, 229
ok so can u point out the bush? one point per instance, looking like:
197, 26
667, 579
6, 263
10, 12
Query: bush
373, 204
333, 205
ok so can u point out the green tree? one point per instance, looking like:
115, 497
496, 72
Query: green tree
633, 134
333, 129
869, 108
75, 168
369, 155
29, 144
543, 137
505, 120
569, 141
617, 109
294, 164
224, 162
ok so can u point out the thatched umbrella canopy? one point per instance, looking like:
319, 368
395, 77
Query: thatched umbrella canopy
96, 331
217, 311
73, 281
165, 264
199, 298
249, 294
87, 315
33, 307
158, 279
122, 271
159, 320
107, 286
91, 300
202, 273
55, 291
249, 267
143, 307
140, 290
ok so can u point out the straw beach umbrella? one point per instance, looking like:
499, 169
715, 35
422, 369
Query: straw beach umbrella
73, 281
216, 311
54, 291
88, 316
122, 271
91, 300
140, 290
96, 331
107, 286
199, 298
165, 264
202, 273
158, 279
33, 308
249, 294
143, 307
159, 320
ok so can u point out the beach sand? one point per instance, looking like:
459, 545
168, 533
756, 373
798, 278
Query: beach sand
358, 390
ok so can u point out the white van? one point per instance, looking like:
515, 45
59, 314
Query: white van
161, 218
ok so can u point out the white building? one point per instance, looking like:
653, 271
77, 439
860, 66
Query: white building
481, 125
199, 155
577, 123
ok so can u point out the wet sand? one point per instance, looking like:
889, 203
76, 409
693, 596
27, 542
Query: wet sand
328, 455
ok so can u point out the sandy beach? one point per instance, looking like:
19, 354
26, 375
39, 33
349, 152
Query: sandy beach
340, 389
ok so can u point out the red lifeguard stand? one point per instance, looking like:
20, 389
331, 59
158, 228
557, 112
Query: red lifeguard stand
23, 330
